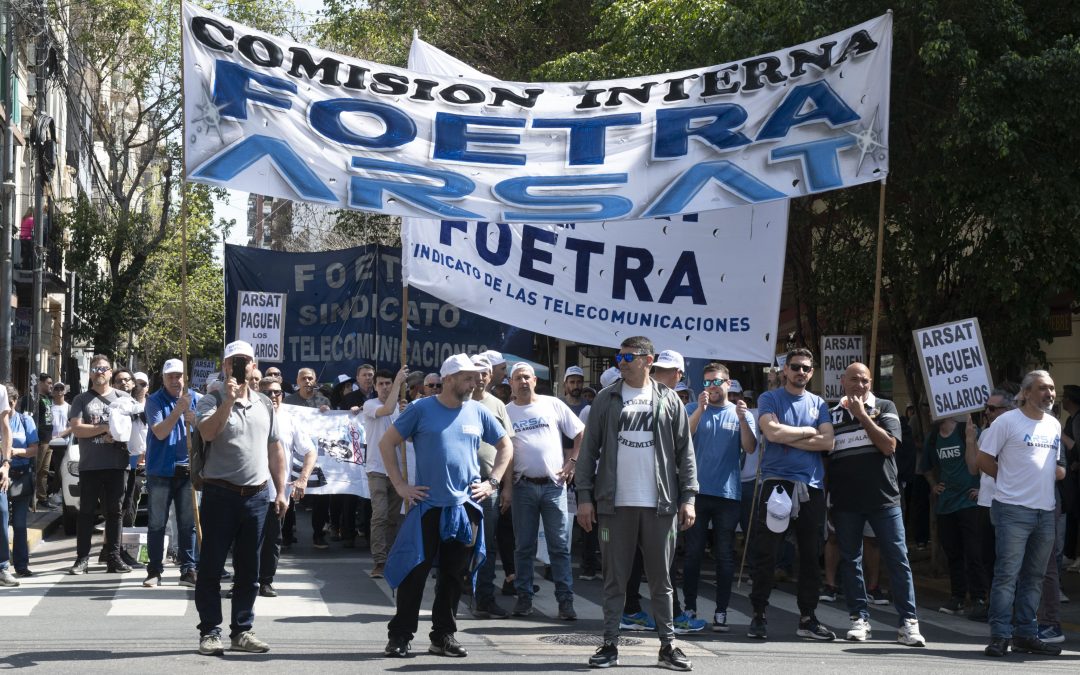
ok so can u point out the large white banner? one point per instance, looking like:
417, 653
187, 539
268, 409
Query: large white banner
341, 467
954, 367
707, 285
267, 115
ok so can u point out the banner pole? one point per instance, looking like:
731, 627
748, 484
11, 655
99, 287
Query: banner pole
404, 385
183, 271
877, 282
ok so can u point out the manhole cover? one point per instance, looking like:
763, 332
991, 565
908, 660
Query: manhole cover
586, 640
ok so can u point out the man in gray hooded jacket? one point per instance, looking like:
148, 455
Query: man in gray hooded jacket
636, 473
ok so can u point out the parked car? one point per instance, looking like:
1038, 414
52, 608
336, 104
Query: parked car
69, 489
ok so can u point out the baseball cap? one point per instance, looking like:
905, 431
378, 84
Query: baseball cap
458, 363
778, 510
573, 370
734, 386
59, 386
669, 359
681, 387
521, 365
172, 366
344, 377
239, 348
481, 361
141, 377
608, 377
494, 357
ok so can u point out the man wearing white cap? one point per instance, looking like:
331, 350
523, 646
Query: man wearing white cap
498, 366
169, 412
444, 522
242, 456
542, 469
573, 383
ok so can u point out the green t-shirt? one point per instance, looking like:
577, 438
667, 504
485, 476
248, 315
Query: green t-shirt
946, 453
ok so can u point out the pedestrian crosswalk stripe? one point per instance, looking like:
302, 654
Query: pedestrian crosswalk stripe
299, 594
21, 600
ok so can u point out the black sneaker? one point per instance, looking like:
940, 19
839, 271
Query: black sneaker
876, 596
605, 657
953, 606
447, 646
672, 658
979, 611
1033, 645
80, 566
24, 573
489, 609
129, 561
319, 542
508, 588
188, 579
997, 648
810, 627
267, 591
398, 647
566, 610
523, 606
117, 566
828, 593
758, 628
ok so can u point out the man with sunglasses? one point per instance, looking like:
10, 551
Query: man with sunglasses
103, 464
722, 431
170, 411
432, 384
798, 431
637, 476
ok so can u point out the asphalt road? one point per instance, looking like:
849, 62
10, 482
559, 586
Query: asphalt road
332, 617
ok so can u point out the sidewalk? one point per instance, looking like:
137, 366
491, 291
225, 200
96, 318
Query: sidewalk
41, 524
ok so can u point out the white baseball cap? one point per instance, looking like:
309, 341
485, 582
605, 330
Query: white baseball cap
734, 386
141, 377
481, 361
608, 377
669, 359
172, 366
778, 510
494, 357
459, 363
522, 365
239, 348
573, 370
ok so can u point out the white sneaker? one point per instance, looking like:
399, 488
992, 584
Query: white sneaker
860, 629
7, 578
908, 634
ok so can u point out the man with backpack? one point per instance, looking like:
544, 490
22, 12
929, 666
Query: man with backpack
242, 455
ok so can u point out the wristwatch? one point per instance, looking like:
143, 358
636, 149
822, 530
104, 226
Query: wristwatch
494, 483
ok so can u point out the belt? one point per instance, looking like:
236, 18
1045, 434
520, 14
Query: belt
242, 490
536, 481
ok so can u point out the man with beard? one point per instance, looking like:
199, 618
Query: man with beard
1021, 451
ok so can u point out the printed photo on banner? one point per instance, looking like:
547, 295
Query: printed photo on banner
806, 119
709, 283
954, 367
342, 458
837, 353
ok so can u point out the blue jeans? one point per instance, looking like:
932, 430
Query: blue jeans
485, 576
229, 522
1025, 539
20, 554
164, 491
888, 525
5, 545
724, 516
531, 502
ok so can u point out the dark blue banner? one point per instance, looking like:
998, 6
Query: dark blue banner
343, 309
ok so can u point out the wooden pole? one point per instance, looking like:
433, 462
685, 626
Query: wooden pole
405, 385
184, 275
877, 282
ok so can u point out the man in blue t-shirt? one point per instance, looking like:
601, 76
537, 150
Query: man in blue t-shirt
798, 430
445, 430
722, 431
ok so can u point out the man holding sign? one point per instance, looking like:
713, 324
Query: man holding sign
1021, 450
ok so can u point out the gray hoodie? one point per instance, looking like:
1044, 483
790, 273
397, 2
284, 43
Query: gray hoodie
676, 465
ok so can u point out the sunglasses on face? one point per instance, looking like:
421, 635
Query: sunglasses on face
800, 368
433, 386
627, 358
123, 379
718, 382
994, 408
273, 392
100, 369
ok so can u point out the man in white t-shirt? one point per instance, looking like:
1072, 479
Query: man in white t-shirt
379, 413
1021, 450
637, 474
541, 471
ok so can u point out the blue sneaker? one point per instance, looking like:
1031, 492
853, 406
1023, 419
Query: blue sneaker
1051, 633
687, 622
639, 621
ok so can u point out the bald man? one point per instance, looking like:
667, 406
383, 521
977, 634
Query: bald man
863, 488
